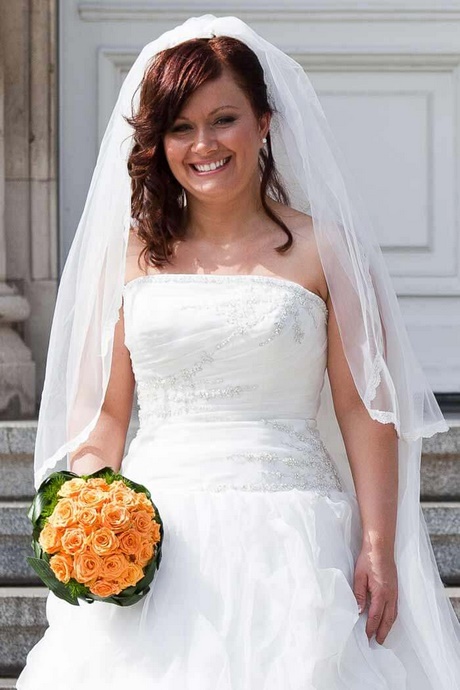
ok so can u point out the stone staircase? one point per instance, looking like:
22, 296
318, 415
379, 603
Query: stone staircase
22, 598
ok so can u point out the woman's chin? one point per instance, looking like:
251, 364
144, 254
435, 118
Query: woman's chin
214, 192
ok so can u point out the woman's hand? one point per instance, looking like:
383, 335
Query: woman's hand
375, 572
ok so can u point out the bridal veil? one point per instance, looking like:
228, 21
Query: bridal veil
385, 371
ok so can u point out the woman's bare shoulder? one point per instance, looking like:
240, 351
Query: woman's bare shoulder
306, 255
299, 223
134, 267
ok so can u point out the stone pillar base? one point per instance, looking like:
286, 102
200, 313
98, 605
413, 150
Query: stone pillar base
17, 370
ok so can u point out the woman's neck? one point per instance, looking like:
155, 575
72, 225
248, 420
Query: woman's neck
224, 223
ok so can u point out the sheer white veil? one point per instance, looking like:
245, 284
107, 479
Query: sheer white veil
385, 371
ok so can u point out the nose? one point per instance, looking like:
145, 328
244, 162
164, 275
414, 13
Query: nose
204, 141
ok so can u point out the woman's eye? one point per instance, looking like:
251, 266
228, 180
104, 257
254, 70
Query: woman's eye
180, 128
186, 127
225, 120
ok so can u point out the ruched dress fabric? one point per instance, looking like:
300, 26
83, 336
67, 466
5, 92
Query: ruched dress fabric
254, 591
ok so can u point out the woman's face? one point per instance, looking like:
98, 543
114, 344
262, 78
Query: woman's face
217, 129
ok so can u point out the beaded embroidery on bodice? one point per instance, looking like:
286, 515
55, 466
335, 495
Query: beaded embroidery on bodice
229, 371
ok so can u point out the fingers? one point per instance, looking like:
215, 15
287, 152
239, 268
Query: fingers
389, 616
383, 596
382, 615
375, 615
360, 590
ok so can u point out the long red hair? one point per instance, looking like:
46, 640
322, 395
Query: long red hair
157, 198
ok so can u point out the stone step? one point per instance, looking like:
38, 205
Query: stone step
17, 442
443, 523
454, 596
440, 477
7, 683
15, 544
23, 622
442, 518
440, 467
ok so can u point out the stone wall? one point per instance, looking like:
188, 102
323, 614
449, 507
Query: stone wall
28, 223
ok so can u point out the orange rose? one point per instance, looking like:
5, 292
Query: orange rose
62, 566
87, 566
154, 533
104, 588
130, 541
143, 501
74, 540
122, 495
63, 514
98, 483
118, 484
144, 554
104, 541
50, 538
113, 566
91, 498
88, 518
142, 521
72, 487
115, 516
132, 575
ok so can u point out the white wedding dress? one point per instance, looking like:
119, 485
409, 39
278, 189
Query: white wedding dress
254, 591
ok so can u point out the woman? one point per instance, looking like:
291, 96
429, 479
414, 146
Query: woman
230, 306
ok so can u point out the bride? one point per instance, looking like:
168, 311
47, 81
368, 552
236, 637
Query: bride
225, 267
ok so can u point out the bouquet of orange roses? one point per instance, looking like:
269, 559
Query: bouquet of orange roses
95, 537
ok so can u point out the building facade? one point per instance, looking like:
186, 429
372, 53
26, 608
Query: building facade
387, 74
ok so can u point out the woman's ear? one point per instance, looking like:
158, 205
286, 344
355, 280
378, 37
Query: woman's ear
264, 124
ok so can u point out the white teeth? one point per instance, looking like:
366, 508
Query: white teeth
211, 166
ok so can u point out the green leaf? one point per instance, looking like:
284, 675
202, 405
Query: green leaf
77, 589
149, 573
43, 570
128, 601
159, 554
47, 494
37, 549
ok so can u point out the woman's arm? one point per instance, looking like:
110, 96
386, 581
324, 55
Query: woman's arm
371, 448
372, 451
105, 444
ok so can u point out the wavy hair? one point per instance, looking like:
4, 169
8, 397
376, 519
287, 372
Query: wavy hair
157, 198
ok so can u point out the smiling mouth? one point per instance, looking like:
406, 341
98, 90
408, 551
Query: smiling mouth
210, 167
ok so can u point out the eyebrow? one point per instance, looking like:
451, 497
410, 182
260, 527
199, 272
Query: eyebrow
221, 107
